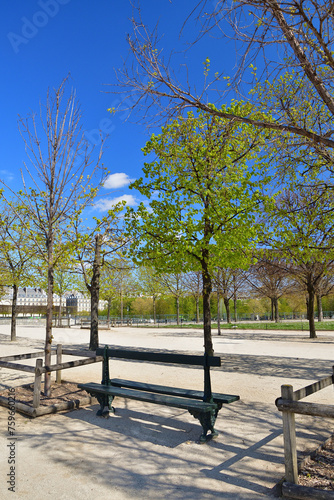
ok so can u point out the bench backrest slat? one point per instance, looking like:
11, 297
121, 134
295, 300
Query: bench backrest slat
186, 359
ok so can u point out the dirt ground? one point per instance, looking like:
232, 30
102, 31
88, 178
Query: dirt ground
148, 451
319, 471
66, 391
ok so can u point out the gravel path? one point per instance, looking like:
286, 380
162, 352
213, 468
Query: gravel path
150, 451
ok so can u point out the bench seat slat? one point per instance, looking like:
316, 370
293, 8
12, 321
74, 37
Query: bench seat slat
149, 397
174, 391
162, 357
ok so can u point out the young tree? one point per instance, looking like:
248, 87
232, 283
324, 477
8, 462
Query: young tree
173, 282
65, 279
302, 235
123, 282
108, 286
204, 198
193, 283
151, 285
61, 172
325, 287
227, 283
17, 256
92, 247
269, 278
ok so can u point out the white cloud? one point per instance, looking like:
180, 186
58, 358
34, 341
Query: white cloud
107, 203
7, 175
117, 180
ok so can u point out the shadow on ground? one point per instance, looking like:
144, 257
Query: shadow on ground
152, 453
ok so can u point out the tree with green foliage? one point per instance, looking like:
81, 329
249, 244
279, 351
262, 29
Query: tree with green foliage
117, 282
65, 280
194, 286
227, 283
17, 256
108, 286
18, 260
325, 287
301, 235
295, 159
270, 37
91, 248
150, 285
269, 278
173, 283
204, 189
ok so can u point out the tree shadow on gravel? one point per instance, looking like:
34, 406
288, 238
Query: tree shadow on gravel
151, 453
276, 366
259, 335
266, 366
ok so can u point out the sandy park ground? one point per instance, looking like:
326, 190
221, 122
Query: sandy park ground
150, 451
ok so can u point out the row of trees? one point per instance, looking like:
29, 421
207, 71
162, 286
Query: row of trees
288, 117
144, 292
264, 288
210, 210
212, 207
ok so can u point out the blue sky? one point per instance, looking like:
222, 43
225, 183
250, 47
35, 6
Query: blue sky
42, 41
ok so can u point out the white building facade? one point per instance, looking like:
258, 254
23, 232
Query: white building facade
38, 297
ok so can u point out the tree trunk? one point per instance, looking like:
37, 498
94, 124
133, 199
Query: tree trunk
177, 310
121, 305
275, 306
319, 304
227, 307
49, 310
307, 307
218, 312
59, 312
197, 309
235, 307
154, 309
95, 295
272, 309
108, 309
14, 314
310, 311
207, 289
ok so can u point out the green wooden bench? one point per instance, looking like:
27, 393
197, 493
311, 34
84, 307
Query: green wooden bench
203, 405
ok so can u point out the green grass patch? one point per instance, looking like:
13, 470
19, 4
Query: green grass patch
259, 325
268, 325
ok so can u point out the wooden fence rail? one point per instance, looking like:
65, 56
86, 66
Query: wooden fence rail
39, 369
17, 366
17, 357
289, 404
69, 364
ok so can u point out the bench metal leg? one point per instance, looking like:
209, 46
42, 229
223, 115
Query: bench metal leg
105, 405
207, 420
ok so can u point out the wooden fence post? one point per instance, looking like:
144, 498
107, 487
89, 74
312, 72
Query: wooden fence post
289, 436
59, 353
37, 384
